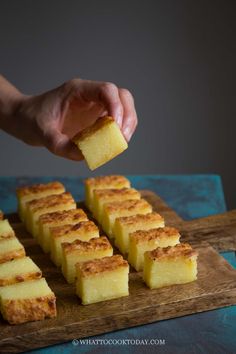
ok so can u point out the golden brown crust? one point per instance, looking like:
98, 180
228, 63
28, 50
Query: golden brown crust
86, 133
134, 204
119, 193
39, 188
85, 226
6, 235
25, 310
160, 232
51, 201
95, 244
170, 252
1, 215
112, 180
132, 220
66, 216
20, 277
9, 256
106, 264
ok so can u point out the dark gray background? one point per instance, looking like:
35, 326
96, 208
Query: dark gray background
178, 59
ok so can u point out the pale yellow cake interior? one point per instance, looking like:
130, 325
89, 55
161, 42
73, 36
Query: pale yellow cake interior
20, 266
165, 272
10, 244
102, 145
25, 290
103, 286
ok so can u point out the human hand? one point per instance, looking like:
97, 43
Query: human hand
53, 118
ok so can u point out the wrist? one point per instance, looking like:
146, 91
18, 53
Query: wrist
9, 107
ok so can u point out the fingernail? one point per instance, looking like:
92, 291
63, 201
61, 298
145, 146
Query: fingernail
119, 120
126, 133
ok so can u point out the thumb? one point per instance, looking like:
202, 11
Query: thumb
60, 144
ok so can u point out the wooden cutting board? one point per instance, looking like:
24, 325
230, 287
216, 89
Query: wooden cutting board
215, 288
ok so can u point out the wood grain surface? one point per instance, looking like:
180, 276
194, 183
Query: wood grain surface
215, 288
217, 230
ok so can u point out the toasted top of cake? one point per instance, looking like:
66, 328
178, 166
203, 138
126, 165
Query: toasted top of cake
119, 193
26, 290
39, 188
10, 244
51, 201
112, 181
1, 215
171, 252
101, 265
87, 132
136, 219
147, 235
5, 229
95, 244
86, 226
66, 216
127, 205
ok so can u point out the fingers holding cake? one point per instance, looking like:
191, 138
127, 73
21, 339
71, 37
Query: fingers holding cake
117, 102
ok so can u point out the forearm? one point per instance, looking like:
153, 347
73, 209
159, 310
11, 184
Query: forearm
51, 119
10, 98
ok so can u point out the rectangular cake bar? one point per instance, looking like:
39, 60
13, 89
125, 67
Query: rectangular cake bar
103, 182
170, 266
102, 279
81, 251
36, 191
57, 218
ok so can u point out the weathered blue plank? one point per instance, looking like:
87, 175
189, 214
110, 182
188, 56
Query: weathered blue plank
191, 196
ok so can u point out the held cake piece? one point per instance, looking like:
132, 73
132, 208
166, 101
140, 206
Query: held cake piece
102, 279
141, 241
49, 204
81, 251
102, 196
18, 270
125, 225
36, 191
6, 231
83, 231
27, 301
103, 182
10, 249
114, 210
101, 142
58, 218
169, 266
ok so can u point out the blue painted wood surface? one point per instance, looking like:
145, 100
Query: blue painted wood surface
191, 196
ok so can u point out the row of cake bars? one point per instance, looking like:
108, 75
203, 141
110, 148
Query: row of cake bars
139, 233
75, 245
24, 294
